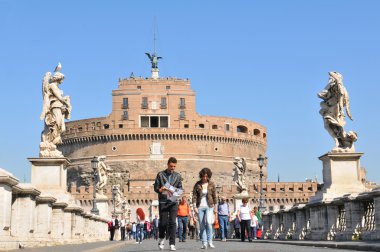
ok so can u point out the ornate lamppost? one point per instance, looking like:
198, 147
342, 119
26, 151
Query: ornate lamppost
261, 160
114, 191
218, 189
94, 166
123, 208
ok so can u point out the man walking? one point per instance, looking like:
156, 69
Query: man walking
223, 216
183, 215
155, 227
167, 208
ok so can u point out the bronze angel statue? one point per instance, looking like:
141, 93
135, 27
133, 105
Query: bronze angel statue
56, 108
335, 103
153, 59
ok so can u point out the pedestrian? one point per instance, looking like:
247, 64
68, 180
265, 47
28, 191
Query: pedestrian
167, 208
237, 227
204, 199
244, 214
223, 216
122, 228
140, 216
155, 227
110, 229
254, 223
182, 218
115, 223
116, 229
134, 230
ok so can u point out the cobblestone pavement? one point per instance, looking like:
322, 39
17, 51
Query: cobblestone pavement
230, 246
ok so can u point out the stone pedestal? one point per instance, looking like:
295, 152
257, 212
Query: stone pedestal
102, 205
238, 198
155, 73
50, 175
341, 176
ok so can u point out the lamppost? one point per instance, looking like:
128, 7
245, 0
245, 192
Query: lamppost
94, 166
218, 189
114, 191
261, 160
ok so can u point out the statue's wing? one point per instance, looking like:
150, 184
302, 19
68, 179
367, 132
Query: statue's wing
346, 103
45, 95
159, 58
58, 67
149, 56
244, 164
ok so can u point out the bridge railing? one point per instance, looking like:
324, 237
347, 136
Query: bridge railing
351, 217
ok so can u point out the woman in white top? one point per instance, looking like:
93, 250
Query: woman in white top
245, 215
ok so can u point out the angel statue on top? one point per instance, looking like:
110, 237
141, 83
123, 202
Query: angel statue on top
56, 108
335, 102
240, 167
153, 60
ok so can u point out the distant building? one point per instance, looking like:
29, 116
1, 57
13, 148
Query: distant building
155, 118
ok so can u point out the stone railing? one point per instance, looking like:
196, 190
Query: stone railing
30, 218
351, 217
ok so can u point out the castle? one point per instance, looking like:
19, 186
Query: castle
153, 119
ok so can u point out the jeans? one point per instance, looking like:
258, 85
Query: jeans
139, 232
205, 215
254, 232
223, 224
167, 226
245, 226
182, 226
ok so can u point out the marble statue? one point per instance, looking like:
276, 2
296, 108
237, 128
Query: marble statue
153, 59
335, 103
102, 171
56, 108
119, 197
239, 169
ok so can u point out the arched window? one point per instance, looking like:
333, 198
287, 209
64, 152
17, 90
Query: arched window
256, 132
241, 129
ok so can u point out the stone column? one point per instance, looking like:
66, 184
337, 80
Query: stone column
58, 222
23, 222
7, 181
301, 222
44, 216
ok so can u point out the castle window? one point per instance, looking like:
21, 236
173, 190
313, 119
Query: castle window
182, 103
163, 104
241, 129
138, 87
167, 87
256, 132
144, 103
125, 103
227, 127
125, 115
182, 115
215, 126
120, 126
264, 135
154, 122
201, 125
106, 126
186, 126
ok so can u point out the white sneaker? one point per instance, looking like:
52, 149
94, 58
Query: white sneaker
211, 245
204, 246
172, 248
161, 243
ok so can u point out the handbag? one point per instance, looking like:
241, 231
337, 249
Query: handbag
216, 224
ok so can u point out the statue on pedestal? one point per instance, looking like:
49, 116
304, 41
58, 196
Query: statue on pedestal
153, 59
239, 169
335, 100
56, 108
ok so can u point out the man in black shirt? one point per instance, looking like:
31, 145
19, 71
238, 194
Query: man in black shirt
167, 208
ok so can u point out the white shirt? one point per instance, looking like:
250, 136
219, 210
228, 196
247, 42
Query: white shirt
254, 221
245, 212
122, 223
203, 203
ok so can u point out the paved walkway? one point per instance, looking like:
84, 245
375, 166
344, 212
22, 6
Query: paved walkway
229, 246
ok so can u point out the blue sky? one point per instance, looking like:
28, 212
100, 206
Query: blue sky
263, 61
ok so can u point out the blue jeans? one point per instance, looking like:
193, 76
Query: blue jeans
139, 232
205, 215
254, 232
223, 224
182, 226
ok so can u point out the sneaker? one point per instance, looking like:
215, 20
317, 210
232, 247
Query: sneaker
204, 246
172, 248
161, 242
137, 242
211, 245
224, 239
